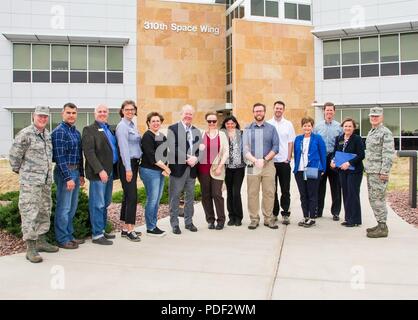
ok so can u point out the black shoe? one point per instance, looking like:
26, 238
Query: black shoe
109, 236
231, 223
350, 225
309, 223
156, 232
344, 223
336, 218
211, 226
219, 226
302, 223
103, 241
176, 230
238, 223
133, 236
191, 227
124, 233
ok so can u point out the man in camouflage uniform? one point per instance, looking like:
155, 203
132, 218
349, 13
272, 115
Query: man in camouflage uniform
31, 157
379, 156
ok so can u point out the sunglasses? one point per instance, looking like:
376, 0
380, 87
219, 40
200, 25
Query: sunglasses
211, 121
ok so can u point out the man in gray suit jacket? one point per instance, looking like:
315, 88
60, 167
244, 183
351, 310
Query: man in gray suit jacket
101, 153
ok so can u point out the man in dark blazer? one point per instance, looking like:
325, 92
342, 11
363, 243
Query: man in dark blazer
100, 150
183, 145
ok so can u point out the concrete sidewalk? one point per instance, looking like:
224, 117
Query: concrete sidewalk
327, 261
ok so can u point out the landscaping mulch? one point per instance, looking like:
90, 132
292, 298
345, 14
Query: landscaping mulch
399, 202
10, 244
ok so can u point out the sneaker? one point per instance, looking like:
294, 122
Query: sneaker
309, 223
272, 225
253, 225
191, 227
302, 223
286, 220
102, 241
133, 236
124, 233
156, 233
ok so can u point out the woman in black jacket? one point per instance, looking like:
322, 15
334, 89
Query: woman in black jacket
350, 172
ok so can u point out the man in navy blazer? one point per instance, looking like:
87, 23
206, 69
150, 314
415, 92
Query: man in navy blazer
183, 141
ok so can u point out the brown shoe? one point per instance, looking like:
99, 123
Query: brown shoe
78, 241
68, 245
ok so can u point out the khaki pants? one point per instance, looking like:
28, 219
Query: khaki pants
265, 177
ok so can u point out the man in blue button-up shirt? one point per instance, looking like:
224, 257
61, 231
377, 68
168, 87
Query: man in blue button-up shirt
68, 175
260, 144
329, 129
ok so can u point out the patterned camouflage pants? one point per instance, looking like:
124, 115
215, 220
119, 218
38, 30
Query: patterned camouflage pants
35, 210
377, 196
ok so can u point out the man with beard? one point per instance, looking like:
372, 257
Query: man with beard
260, 145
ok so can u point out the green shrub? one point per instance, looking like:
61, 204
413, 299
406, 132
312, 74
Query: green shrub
11, 222
9, 196
117, 197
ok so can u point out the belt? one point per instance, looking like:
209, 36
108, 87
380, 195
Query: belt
73, 166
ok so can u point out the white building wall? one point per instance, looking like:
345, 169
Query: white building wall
113, 18
337, 14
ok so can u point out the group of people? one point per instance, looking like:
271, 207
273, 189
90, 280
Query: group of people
263, 149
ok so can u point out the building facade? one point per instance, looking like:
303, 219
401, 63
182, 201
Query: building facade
217, 55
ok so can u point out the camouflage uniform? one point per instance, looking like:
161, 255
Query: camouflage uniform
379, 156
31, 157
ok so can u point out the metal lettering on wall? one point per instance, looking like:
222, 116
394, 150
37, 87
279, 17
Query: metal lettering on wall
203, 28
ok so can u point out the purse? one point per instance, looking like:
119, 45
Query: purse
311, 173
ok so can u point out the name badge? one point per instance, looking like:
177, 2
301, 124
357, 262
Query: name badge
101, 129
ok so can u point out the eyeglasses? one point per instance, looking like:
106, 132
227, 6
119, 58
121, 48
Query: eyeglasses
211, 121
129, 110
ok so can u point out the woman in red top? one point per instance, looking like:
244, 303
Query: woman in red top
211, 171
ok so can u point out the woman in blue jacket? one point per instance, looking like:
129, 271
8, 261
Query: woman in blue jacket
310, 164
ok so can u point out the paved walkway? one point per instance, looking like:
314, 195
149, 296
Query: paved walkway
327, 261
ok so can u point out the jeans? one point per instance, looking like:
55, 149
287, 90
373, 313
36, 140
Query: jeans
66, 207
154, 187
100, 197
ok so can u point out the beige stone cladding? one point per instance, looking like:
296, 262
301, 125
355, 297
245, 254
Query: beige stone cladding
184, 65
273, 62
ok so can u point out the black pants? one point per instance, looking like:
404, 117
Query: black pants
350, 183
130, 195
233, 181
308, 190
334, 182
283, 174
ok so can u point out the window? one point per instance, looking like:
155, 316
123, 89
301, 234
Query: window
297, 11
350, 58
257, 8
369, 56
20, 121
59, 63
40, 63
332, 59
229, 59
353, 114
21, 63
63, 63
114, 65
409, 53
409, 140
78, 65
389, 55
97, 64
272, 9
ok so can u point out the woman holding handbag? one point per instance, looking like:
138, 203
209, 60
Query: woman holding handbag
310, 164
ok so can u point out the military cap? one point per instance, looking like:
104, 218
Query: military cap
42, 110
376, 111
